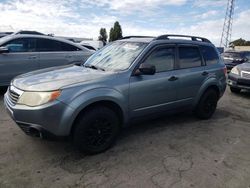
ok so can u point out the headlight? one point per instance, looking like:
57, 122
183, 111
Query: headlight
38, 98
235, 71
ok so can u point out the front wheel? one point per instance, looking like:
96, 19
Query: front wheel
96, 130
207, 104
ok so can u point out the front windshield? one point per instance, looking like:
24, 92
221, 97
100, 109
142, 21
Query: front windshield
116, 56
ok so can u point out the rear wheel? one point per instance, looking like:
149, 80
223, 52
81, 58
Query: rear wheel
235, 90
96, 130
207, 104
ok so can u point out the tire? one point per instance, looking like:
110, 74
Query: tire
235, 90
207, 104
96, 131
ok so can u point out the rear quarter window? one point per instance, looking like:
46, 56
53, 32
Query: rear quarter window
210, 55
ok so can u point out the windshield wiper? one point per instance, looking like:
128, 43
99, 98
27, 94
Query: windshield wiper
94, 67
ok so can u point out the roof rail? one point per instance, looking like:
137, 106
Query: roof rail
193, 38
128, 37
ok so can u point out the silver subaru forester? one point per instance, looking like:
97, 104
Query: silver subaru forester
136, 77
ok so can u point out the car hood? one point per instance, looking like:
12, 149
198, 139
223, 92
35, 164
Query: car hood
57, 77
244, 67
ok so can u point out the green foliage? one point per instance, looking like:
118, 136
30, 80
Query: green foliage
115, 32
240, 42
103, 35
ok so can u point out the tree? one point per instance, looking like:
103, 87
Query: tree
103, 36
240, 42
111, 34
115, 32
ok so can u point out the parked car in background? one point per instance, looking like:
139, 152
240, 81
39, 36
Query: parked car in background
89, 47
23, 53
233, 58
128, 79
3, 34
28, 32
96, 44
239, 78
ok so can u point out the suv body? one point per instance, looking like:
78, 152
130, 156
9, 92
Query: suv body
23, 53
233, 58
125, 80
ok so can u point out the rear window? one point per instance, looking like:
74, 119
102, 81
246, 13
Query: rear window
210, 55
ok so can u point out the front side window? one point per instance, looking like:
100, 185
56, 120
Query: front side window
189, 57
116, 56
210, 55
162, 58
21, 45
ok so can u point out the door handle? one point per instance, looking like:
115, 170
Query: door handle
205, 73
68, 56
173, 78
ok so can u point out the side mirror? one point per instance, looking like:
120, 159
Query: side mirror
246, 59
145, 69
4, 50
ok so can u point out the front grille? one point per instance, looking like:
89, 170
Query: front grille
245, 74
13, 96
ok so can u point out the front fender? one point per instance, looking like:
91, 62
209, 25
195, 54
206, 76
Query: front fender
88, 97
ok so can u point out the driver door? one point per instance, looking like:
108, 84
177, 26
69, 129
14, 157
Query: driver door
149, 94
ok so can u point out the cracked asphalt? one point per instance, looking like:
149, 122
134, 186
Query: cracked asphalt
175, 151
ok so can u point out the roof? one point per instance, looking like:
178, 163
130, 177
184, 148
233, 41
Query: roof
169, 39
9, 37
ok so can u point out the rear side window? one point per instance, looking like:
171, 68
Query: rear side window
162, 58
68, 47
21, 45
189, 57
210, 55
47, 45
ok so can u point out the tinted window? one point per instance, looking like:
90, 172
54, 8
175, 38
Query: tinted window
247, 54
47, 45
162, 59
68, 47
210, 55
189, 57
21, 45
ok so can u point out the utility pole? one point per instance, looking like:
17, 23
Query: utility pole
228, 23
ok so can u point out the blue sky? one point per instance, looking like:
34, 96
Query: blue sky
84, 18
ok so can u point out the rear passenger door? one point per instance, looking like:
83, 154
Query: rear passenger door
52, 53
191, 73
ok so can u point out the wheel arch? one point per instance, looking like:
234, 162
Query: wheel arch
107, 103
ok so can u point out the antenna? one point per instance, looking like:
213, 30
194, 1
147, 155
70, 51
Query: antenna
228, 23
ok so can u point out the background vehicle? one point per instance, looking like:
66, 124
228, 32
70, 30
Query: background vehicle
126, 80
239, 78
23, 53
3, 34
233, 58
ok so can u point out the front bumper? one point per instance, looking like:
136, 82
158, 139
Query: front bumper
237, 81
52, 119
